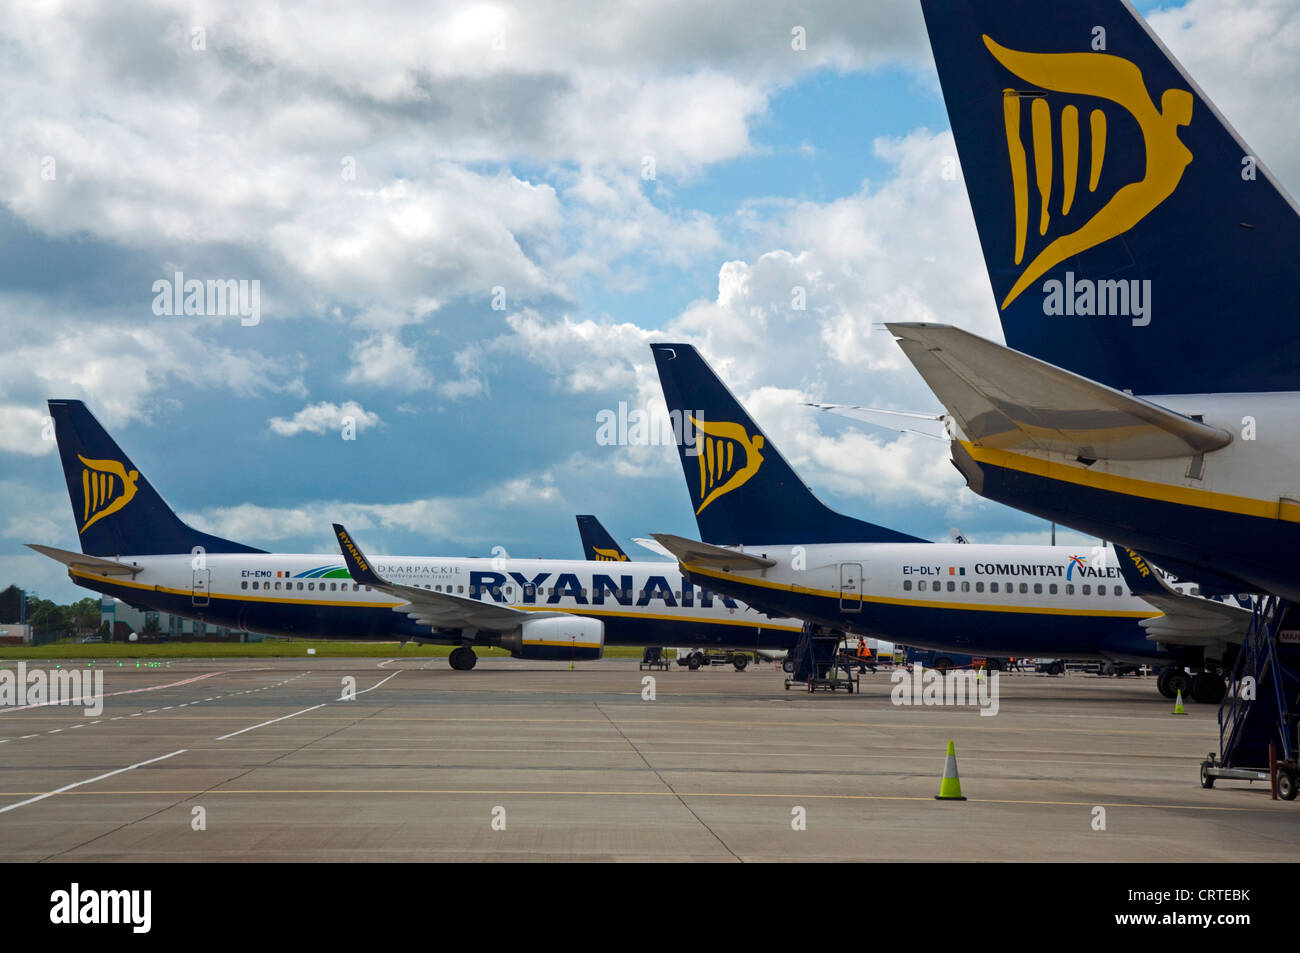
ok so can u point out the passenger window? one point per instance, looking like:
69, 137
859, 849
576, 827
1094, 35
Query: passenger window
979, 587
1024, 588
1038, 588
1101, 590
1119, 590
993, 587
1051, 589
1087, 589
907, 585
921, 585
244, 584
952, 586
277, 585
311, 586
334, 587
965, 587
254, 585
1069, 588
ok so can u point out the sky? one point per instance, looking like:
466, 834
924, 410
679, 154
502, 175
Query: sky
467, 222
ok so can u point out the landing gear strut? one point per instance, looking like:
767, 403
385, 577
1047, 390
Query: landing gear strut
462, 659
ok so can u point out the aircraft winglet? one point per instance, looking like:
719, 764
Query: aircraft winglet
356, 561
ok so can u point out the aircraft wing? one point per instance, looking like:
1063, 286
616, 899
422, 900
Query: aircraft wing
1187, 620
706, 554
101, 567
1007, 400
439, 610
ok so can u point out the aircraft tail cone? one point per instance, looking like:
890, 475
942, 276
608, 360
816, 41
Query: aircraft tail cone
950, 786
1178, 704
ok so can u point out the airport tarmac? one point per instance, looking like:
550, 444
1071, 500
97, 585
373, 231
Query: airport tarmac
424, 759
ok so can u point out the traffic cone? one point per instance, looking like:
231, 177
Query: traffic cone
1178, 704
950, 786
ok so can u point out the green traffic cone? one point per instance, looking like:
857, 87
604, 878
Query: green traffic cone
950, 786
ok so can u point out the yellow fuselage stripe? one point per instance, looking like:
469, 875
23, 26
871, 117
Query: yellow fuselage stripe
1130, 486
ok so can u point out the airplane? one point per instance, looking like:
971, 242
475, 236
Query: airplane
767, 539
1141, 258
134, 547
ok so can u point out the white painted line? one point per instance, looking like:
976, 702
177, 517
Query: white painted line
370, 689
77, 784
54, 731
25, 737
271, 722
129, 691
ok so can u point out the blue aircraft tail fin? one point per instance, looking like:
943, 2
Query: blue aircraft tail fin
742, 489
1125, 225
117, 510
597, 544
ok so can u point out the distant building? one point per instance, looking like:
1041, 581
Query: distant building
11, 633
123, 619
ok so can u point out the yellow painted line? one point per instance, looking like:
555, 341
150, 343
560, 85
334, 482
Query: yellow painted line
500, 792
920, 603
1131, 486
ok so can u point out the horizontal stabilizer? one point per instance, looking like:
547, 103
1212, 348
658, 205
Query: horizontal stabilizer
715, 557
1006, 400
652, 546
922, 425
84, 563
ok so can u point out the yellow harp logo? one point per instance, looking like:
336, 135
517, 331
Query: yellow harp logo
1103, 76
723, 448
608, 555
106, 487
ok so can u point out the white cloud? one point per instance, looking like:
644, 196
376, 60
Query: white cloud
324, 416
496, 510
383, 360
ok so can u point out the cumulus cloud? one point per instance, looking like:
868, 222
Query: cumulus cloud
324, 416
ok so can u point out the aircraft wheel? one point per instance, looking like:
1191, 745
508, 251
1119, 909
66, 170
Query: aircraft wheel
1208, 688
787, 666
1286, 787
1172, 681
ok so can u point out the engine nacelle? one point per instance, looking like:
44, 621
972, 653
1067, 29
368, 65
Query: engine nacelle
560, 638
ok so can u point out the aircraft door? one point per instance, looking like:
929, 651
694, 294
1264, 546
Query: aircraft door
851, 587
199, 587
